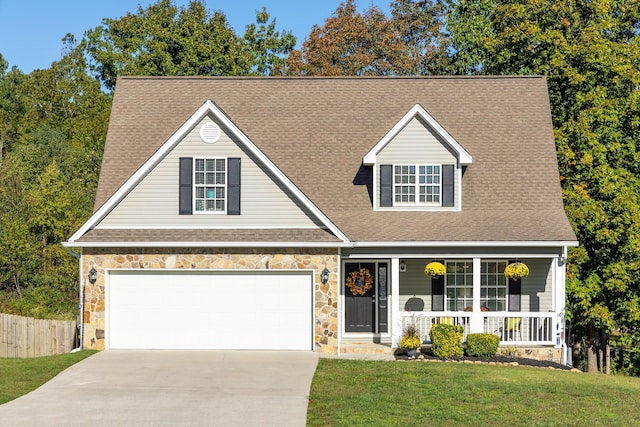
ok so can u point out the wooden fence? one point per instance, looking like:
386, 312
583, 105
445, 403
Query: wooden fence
26, 337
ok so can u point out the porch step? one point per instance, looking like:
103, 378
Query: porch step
365, 348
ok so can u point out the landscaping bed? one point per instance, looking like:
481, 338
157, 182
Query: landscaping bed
426, 355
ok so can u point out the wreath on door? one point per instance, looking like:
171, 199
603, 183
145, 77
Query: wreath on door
359, 281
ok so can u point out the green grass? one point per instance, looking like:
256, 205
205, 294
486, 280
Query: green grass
355, 392
20, 376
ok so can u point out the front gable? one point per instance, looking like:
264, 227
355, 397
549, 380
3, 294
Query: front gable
417, 166
249, 191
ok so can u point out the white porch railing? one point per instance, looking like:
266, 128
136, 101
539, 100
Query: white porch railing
512, 328
424, 322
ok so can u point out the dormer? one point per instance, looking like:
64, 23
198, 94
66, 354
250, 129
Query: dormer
417, 166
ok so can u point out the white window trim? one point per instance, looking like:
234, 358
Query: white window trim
226, 191
416, 185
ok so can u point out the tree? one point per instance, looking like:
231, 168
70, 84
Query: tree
410, 42
164, 40
351, 44
266, 45
53, 122
12, 105
588, 51
420, 26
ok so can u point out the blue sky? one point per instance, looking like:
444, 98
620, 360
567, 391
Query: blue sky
31, 31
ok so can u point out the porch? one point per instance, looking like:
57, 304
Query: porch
474, 293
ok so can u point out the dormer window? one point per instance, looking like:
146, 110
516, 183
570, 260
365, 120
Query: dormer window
417, 185
417, 166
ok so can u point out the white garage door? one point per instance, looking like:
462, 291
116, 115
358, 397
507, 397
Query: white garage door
210, 310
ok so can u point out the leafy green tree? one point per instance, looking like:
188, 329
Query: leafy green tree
266, 45
420, 25
12, 105
55, 122
589, 53
66, 97
165, 40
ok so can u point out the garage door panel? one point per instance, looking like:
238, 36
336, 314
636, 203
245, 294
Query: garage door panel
210, 310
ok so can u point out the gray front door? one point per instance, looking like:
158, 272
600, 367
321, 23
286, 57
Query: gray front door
360, 296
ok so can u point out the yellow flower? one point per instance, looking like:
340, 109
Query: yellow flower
435, 269
516, 270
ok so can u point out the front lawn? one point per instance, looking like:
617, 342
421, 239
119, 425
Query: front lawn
20, 376
356, 392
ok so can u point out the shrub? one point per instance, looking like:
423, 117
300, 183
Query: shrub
446, 340
482, 345
410, 339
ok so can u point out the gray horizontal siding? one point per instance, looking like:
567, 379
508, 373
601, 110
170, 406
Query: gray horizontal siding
537, 288
154, 201
415, 287
417, 144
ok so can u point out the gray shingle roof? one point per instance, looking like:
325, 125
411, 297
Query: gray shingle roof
316, 130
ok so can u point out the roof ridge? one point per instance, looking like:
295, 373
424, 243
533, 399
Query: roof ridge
448, 77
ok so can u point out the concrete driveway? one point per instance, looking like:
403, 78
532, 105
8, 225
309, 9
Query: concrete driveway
172, 388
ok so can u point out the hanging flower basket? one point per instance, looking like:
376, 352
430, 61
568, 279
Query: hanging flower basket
516, 271
360, 281
435, 269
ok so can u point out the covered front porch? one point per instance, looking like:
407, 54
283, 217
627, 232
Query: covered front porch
473, 293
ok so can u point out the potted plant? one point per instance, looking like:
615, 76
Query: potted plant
410, 342
516, 270
435, 269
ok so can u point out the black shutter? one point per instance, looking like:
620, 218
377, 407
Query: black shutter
447, 185
233, 186
185, 204
386, 186
515, 293
437, 293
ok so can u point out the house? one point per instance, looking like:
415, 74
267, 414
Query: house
299, 213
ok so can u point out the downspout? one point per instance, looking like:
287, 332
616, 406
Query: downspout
80, 304
340, 313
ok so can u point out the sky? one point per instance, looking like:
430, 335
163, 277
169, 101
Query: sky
31, 32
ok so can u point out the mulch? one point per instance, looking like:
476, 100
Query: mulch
497, 360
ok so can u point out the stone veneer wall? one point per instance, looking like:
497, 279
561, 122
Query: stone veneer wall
326, 296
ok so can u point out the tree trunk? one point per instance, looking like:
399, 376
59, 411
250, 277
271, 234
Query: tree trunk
607, 352
592, 359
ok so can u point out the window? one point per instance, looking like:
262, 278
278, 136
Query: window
210, 185
459, 285
493, 285
417, 184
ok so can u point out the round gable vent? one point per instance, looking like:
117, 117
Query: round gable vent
210, 133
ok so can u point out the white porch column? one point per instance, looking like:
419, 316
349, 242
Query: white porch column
559, 297
476, 323
396, 321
